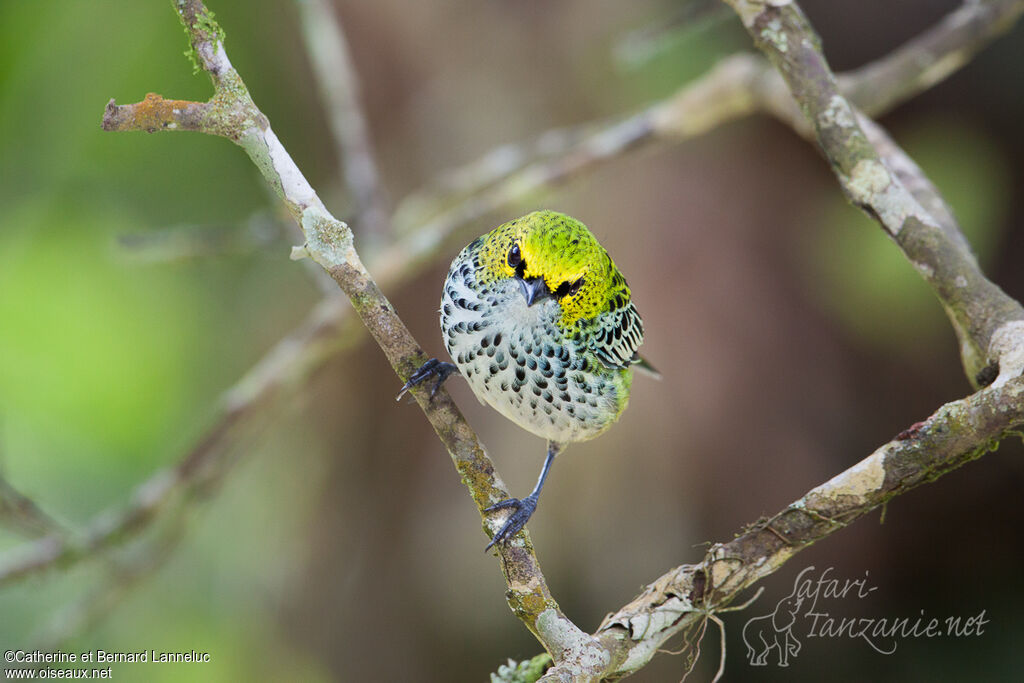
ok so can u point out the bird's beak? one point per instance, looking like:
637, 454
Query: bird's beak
534, 289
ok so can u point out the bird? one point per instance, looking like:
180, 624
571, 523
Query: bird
540, 322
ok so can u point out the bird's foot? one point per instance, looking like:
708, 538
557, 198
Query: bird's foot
432, 368
523, 509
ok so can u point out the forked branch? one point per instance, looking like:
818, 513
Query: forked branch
231, 113
873, 172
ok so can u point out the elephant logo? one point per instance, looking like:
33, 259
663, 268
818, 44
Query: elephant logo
774, 631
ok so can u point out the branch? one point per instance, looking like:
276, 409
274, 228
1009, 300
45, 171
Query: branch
20, 513
931, 57
680, 599
908, 206
231, 113
338, 84
202, 468
155, 113
739, 86
121, 577
193, 476
515, 181
989, 324
326, 330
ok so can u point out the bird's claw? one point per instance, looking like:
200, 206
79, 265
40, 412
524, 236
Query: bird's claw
523, 510
431, 368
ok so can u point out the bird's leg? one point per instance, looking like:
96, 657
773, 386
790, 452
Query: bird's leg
524, 508
432, 368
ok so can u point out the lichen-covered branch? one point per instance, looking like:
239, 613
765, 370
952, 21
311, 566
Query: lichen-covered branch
739, 86
156, 113
682, 598
989, 324
329, 242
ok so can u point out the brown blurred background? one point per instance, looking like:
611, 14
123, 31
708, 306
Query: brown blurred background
792, 337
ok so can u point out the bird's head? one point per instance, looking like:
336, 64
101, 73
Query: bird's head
553, 256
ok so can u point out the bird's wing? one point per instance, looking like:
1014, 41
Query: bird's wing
616, 341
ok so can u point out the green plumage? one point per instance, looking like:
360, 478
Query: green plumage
540, 322
559, 366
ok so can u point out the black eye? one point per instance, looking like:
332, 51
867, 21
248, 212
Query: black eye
514, 257
575, 287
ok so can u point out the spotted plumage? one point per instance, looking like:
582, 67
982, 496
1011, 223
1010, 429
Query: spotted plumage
539, 320
558, 367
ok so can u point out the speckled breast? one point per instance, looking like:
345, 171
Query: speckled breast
517, 359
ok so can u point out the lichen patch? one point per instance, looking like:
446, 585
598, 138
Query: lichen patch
860, 481
1008, 348
773, 33
293, 184
837, 113
575, 645
868, 178
328, 240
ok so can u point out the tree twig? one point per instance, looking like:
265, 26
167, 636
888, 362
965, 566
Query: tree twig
755, 87
22, 514
988, 323
103, 598
957, 433
931, 57
338, 84
231, 113
882, 180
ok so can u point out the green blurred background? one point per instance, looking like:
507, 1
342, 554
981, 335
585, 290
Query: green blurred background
792, 336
